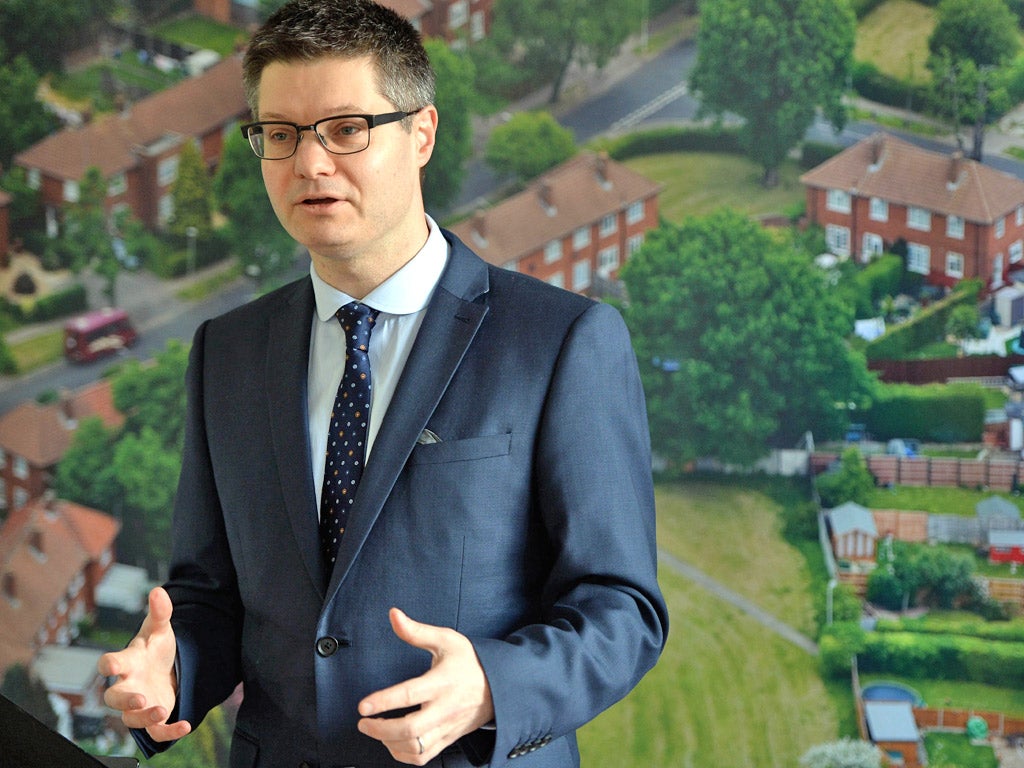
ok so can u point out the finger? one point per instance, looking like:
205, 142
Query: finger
170, 731
160, 606
409, 693
110, 665
417, 634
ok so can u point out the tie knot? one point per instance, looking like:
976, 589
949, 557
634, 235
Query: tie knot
357, 319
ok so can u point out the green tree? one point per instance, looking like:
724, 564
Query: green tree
543, 38
42, 29
257, 238
29, 693
153, 395
851, 481
192, 194
963, 322
739, 339
8, 365
23, 120
774, 63
529, 144
85, 473
981, 31
446, 170
26, 209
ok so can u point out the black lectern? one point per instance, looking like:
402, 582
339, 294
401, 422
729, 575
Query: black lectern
27, 743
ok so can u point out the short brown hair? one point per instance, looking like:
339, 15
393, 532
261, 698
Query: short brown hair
307, 30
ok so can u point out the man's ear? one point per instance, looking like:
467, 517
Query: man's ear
424, 129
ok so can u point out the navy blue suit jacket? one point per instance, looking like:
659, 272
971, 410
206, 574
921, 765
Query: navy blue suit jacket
529, 527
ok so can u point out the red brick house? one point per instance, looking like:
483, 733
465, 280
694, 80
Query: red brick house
958, 218
574, 226
52, 556
137, 150
34, 437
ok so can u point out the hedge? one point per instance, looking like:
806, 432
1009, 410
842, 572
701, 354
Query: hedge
70, 301
673, 139
926, 327
945, 657
939, 413
1005, 631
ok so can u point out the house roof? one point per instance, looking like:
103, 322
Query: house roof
894, 170
409, 9
112, 143
852, 517
1006, 538
891, 721
997, 506
67, 669
42, 551
42, 433
576, 193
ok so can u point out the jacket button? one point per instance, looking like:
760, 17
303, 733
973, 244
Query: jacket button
326, 646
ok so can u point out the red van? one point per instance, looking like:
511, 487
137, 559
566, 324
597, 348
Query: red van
98, 333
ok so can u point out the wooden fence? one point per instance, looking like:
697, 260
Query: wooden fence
995, 474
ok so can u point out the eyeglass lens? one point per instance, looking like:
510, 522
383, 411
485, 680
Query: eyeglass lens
343, 135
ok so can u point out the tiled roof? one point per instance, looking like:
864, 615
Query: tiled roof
42, 433
41, 554
409, 9
189, 109
894, 170
576, 193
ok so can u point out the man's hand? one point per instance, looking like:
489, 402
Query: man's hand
453, 696
146, 688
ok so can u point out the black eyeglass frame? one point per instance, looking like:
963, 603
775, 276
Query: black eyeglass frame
372, 121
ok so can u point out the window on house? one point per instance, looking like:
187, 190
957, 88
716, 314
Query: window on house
458, 14
118, 185
557, 280
20, 498
580, 275
608, 260
635, 212
1020, 215
581, 238
919, 218
1001, 227
3, 493
872, 246
477, 26
609, 225
838, 200
167, 171
33, 178
919, 258
3, 458
1016, 251
72, 192
879, 209
552, 251
165, 209
838, 239
955, 227
21, 467
634, 244
954, 264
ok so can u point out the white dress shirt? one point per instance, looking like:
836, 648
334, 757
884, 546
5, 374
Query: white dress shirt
402, 300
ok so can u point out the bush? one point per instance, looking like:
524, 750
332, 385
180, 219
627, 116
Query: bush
939, 413
24, 285
814, 153
837, 647
946, 657
928, 326
673, 139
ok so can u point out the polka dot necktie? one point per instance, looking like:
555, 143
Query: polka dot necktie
346, 437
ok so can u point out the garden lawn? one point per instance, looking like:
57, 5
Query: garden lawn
727, 691
894, 37
38, 351
698, 183
201, 33
936, 500
958, 694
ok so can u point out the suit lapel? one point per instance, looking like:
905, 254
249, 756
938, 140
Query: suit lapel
286, 375
449, 326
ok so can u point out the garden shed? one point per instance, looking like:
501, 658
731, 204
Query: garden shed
1006, 547
994, 510
891, 726
854, 534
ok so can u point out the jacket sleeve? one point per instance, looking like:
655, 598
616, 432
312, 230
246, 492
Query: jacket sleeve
604, 619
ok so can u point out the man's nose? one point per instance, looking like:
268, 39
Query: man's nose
311, 158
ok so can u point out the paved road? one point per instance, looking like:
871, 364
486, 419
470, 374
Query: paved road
719, 590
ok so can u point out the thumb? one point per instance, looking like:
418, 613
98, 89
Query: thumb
413, 632
160, 607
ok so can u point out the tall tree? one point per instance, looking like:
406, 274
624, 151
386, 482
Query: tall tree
774, 63
529, 144
259, 241
23, 120
444, 173
43, 29
543, 38
739, 339
192, 194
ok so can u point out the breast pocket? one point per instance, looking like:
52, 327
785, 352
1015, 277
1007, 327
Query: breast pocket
467, 449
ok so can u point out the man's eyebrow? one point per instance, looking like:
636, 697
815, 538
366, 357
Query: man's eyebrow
345, 109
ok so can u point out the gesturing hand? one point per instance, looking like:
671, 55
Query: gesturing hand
146, 688
453, 696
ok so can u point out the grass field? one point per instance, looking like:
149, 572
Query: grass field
894, 37
727, 691
940, 501
698, 183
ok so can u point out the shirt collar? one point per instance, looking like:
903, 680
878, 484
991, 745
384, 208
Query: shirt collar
404, 293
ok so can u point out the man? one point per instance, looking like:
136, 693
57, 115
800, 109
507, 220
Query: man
489, 585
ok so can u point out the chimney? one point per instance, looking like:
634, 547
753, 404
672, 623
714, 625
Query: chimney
877, 150
956, 169
11, 587
35, 541
601, 166
544, 191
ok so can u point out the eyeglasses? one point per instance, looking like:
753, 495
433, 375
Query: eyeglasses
339, 135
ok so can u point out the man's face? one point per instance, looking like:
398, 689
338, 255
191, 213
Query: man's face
355, 212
